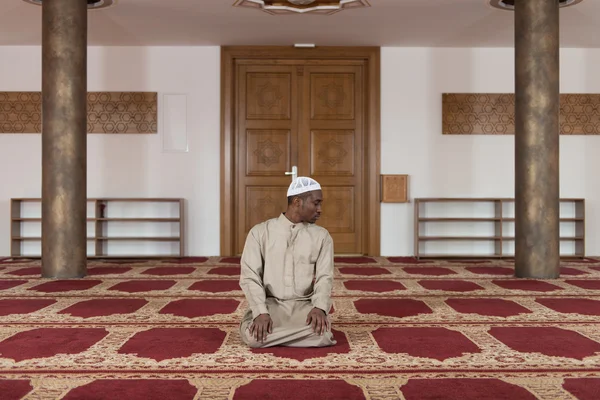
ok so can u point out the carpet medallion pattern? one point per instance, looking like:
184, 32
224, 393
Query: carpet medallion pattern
405, 329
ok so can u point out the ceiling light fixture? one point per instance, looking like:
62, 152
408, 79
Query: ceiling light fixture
509, 5
91, 4
326, 7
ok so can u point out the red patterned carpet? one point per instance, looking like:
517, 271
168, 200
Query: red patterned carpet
405, 330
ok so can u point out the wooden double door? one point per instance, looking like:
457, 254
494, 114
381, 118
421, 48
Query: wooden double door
304, 116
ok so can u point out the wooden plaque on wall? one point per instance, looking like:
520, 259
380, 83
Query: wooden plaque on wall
107, 112
394, 188
494, 114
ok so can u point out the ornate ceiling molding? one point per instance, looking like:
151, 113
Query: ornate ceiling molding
325, 7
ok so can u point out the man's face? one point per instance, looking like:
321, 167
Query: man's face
310, 207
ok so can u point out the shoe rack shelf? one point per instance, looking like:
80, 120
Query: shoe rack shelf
116, 228
485, 228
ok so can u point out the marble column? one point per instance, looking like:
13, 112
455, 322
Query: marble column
64, 138
537, 252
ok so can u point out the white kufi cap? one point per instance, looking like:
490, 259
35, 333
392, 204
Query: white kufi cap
303, 184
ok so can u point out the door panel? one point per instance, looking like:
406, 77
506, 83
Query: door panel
331, 149
338, 212
268, 152
309, 116
269, 94
264, 106
331, 94
266, 136
262, 203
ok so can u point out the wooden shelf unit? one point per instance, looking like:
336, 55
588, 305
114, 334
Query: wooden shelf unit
485, 228
116, 228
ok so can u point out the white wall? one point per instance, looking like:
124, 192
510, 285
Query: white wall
412, 143
470, 166
130, 165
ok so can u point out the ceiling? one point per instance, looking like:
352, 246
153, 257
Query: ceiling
404, 23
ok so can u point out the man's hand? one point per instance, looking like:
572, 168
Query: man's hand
261, 325
318, 320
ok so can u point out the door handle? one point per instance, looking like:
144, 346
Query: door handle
294, 173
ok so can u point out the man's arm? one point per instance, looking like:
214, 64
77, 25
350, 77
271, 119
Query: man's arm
321, 297
251, 275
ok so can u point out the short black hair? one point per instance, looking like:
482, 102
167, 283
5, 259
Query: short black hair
302, 196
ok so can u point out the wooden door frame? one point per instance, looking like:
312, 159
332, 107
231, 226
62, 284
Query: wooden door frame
372, 57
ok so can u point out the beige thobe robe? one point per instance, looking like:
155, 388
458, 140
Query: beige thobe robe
286, 271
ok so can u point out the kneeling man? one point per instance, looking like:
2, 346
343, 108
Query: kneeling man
287, 275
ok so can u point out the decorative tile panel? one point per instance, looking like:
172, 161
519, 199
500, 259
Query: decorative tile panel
107, 112
338, 209
332, 152
494, 114
267, 152
263, 203
332, 96
269, 96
